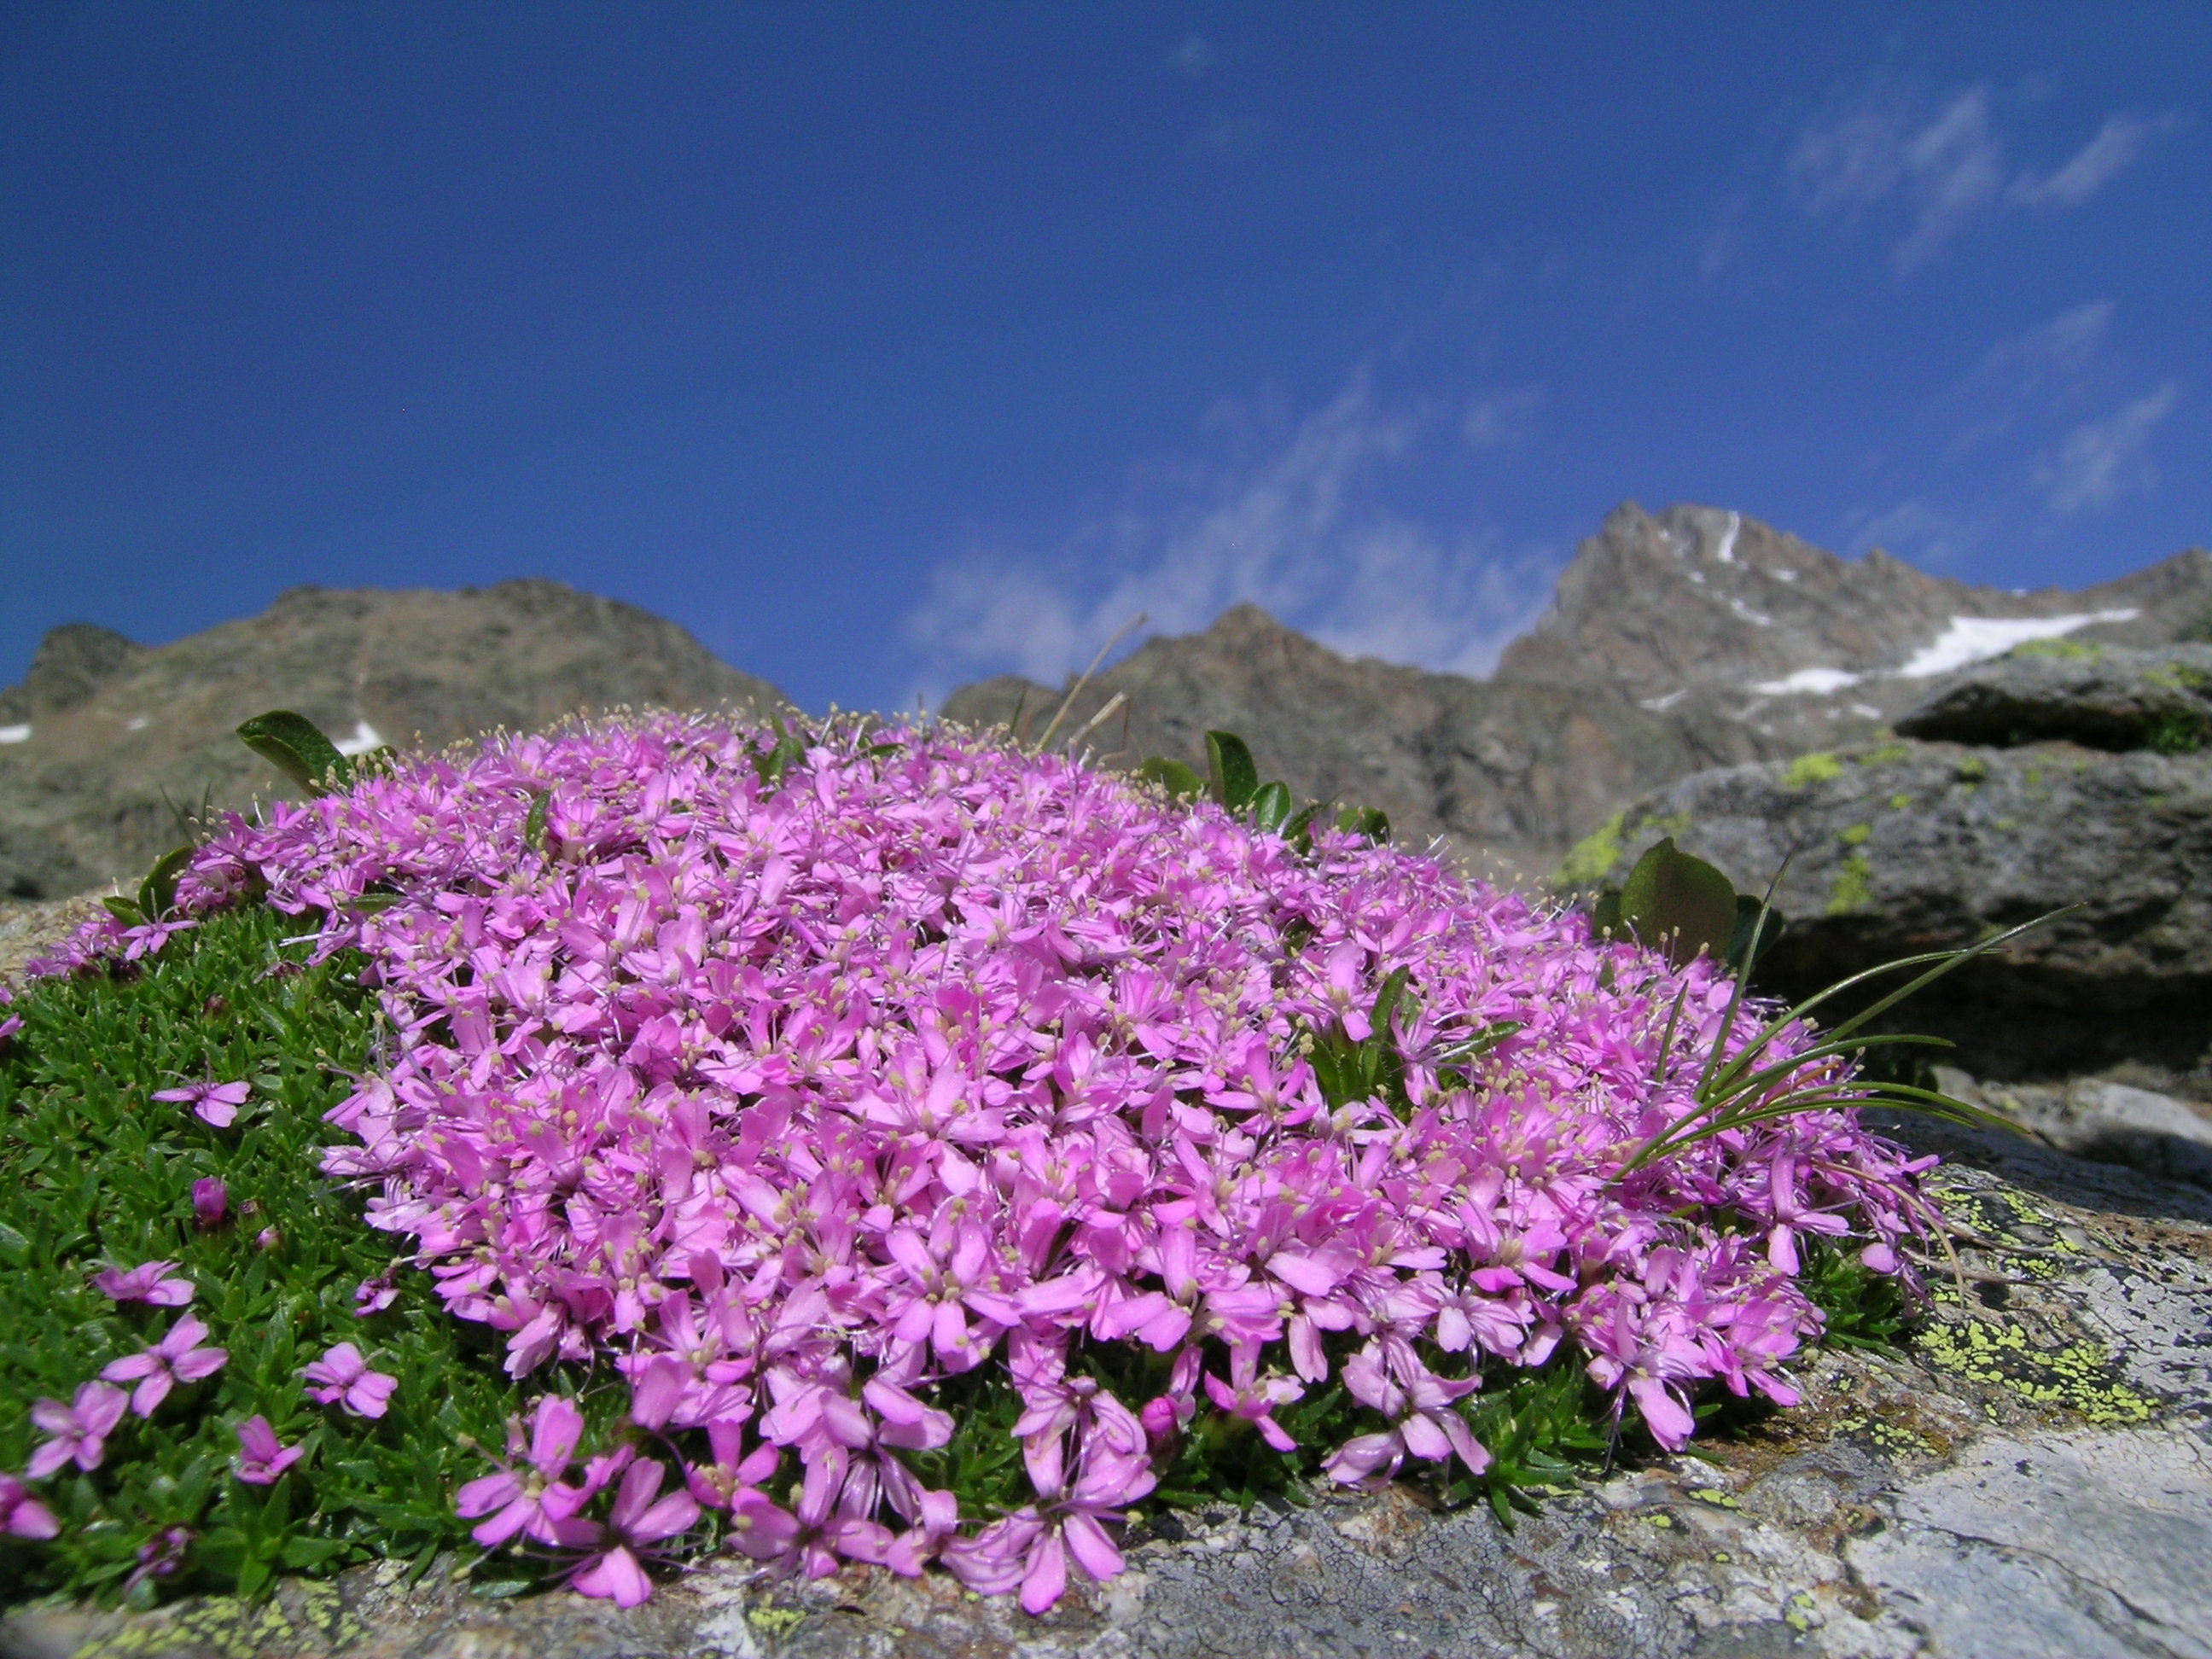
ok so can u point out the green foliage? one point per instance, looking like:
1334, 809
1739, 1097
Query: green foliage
1538, 1426
2178, 732
1862, 1308
1682, 905
1233, 780
94, 1174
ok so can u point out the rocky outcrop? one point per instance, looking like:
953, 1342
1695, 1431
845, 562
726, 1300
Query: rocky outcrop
2075, 691
1908, 846
107, 741
1691, 638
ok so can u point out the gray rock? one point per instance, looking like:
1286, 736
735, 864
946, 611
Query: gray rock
2105, 696
2098, 1118
1901, 847
122, 737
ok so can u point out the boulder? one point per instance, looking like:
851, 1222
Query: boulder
1898, 847
2074, 691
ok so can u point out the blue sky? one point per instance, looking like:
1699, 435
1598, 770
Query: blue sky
886, 346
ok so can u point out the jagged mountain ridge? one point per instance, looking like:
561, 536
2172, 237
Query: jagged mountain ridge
104, 738
1692, 638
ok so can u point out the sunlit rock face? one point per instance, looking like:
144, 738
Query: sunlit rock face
1692, 638
104, 741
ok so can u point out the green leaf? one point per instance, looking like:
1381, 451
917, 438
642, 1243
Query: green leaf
1371, 822
1172, 775
1605, 912
296, 746
159, 891
1234, 777
1677, 903
1270, 806
1740, 955
124, 910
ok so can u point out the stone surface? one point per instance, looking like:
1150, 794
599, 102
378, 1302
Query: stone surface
2105, 696
1902, 847
2103, 1119
1687, 639
124, 737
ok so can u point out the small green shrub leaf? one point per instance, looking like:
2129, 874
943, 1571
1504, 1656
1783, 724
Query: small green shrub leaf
1270, 806
1235, 778
1679, 903
1172, 775
296, 746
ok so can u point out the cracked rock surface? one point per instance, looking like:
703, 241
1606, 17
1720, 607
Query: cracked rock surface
2032, 1476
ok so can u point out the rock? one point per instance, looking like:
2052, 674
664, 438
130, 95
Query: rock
2106, 697
1899, 847
122, 738
2100, 1118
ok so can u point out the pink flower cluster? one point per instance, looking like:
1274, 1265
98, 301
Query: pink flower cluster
794, 1095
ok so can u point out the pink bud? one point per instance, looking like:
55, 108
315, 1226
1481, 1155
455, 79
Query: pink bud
267, 1239
210, 1202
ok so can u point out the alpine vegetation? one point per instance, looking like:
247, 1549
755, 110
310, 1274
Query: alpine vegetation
862, 1144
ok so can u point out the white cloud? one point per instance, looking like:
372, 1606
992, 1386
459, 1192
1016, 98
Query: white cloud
1947, 170
2046, 366
2100, 461
1299, 531
1499, 421
1917, 530
2102, 160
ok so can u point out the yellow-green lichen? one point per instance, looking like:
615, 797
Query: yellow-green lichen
1899, 801
774, 1622
1591, 857
1853, 887
236, 1628
1856, 834
1882, 754
1715, 1496
2064, 650
1806, 771
1970, 770
2078, 1378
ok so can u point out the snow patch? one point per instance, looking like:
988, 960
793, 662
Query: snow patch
1757, 618
1866, 711
15, 734
1820, 681
365, 737
1784, 575
1659, 705
137, 723
1977, 639
1727, 554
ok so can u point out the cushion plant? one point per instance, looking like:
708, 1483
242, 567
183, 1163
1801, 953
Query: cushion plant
852, 1143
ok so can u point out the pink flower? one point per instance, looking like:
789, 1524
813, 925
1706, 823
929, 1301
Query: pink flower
343, 1375
210, 1203
534, 1499
374, 1296
260, 1458
149, 1282
214, 1103
613, 1572
80, 1430
177, 1358
13, 1023
23, 1515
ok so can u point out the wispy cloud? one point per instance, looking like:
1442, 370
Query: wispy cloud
2098, 162
1300, 530
1918, 530
2100, 461
2041, 367
1947, 170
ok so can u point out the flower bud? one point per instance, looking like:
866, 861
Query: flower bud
210, 1202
